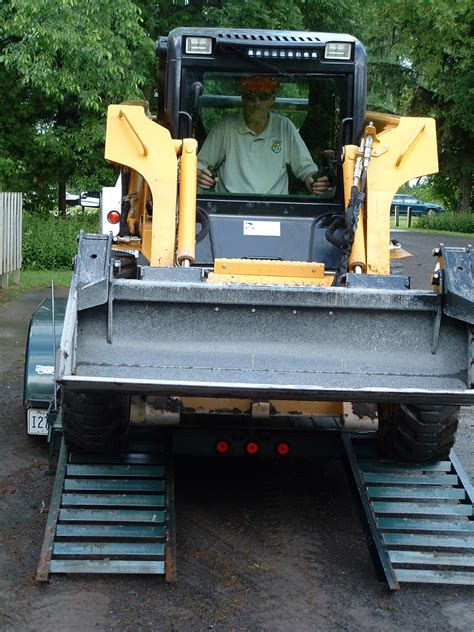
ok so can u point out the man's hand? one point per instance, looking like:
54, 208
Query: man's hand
205, 179
317, 185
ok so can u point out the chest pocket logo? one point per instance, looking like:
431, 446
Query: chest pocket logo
276, 146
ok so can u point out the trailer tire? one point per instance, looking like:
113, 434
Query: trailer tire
416, 433
95, 422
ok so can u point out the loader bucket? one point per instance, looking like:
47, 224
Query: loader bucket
173, 333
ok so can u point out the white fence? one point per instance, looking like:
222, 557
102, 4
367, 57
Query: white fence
10, 237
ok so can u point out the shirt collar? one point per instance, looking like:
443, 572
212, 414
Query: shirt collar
243, 129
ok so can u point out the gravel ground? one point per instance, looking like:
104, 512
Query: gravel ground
259, 548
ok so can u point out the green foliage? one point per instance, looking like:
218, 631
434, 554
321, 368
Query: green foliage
78, 51
333, 16
421, 58
51, 242
259, 14
450, 222
62, 62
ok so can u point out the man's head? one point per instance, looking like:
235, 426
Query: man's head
258, 92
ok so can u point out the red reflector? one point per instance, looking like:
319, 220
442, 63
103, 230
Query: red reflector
252, 447
222, 447
283, 448
113, 217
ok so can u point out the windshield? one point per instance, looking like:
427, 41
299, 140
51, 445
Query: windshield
262, 135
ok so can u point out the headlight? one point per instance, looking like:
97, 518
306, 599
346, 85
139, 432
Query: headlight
338, 50
199, 45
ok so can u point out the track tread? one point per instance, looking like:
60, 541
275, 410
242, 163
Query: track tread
420, 434
95, 422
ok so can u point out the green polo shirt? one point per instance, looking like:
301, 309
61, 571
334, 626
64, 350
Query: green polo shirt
255, 163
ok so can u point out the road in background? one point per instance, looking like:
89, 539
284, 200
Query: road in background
421, 245
260, 547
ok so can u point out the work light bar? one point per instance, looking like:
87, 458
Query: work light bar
282, 53
338, 50
199, 45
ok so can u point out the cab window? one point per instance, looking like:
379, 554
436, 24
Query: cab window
316, 106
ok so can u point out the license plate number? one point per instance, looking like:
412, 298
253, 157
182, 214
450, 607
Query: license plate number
37, 421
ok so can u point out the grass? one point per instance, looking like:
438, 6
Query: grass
442, 232
402, 222
403, 226
35, 278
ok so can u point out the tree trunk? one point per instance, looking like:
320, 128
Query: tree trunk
62, 195
465, 192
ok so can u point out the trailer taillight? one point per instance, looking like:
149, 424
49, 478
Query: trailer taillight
113, 217
252, 447
283, 448
222, 447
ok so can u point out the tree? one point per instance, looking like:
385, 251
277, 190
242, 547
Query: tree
61, 63
422, 59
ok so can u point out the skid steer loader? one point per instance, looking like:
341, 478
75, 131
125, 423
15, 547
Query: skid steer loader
248, 315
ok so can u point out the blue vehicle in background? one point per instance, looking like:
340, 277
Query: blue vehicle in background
418, 206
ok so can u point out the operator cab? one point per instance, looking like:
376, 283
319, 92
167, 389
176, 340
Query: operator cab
322, 79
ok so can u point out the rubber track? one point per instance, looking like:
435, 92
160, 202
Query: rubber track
95, 422
419, 434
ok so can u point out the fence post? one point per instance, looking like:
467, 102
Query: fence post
10, 237
409, 215
397, 216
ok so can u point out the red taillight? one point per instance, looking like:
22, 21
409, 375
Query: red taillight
222, 447
113, 217
283, 448
252, 447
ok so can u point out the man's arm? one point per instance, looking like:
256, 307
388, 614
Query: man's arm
210, 155
302, 163
205, 179
316, 185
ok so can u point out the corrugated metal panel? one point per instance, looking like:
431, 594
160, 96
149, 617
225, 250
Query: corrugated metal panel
10, 232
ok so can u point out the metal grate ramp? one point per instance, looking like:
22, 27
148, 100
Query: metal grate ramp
419, 519
110, 514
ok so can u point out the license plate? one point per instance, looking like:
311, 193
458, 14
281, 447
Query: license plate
37, 421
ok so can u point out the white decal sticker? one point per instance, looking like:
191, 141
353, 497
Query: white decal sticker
42, 369
262, 229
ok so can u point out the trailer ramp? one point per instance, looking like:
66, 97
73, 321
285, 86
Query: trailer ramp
111, 514
419, 519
